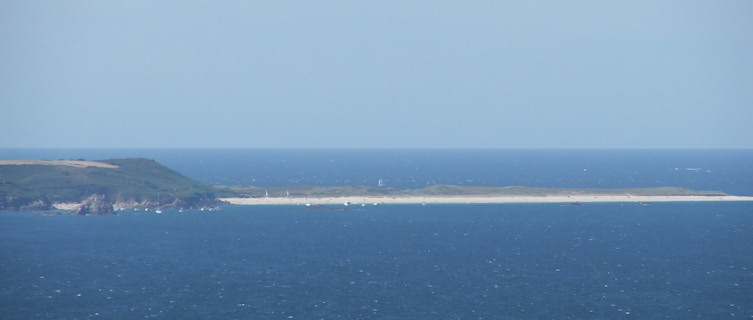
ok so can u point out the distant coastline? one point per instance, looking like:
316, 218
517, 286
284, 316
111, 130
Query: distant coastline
451, 194
101, 187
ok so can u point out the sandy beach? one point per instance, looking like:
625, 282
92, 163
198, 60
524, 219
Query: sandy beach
370, 200
66, 205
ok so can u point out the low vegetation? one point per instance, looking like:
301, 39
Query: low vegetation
124, 182
144, 183
449, 190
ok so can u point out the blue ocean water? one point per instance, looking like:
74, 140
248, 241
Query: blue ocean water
532, 261
506, 261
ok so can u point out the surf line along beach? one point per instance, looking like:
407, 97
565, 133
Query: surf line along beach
582, 198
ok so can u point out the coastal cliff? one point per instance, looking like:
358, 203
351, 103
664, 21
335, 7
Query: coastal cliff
122, 183
96, 204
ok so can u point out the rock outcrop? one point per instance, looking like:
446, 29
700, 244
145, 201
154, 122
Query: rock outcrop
96, 204
24, 203
38, 204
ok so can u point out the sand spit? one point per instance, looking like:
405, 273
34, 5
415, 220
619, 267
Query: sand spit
70, 163
370, 200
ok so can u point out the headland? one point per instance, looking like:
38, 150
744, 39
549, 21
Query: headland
98, 187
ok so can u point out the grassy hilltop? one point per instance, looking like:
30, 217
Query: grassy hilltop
124, 182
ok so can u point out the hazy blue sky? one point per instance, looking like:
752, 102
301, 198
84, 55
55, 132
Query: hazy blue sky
472, 74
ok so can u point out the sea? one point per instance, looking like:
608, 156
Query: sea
460, 261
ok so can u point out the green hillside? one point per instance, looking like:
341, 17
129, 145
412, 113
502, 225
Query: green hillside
133, 183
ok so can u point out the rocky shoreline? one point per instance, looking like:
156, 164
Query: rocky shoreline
99, 205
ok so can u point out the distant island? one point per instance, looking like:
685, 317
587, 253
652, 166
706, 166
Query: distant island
104, 186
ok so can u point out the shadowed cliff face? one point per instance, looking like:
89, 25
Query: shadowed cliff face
24, 203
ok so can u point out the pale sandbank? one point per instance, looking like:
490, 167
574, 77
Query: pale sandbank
370, 200
66, 205
70, 163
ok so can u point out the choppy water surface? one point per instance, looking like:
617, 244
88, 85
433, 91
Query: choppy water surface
522, 261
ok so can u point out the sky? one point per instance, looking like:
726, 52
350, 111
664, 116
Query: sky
376, 74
